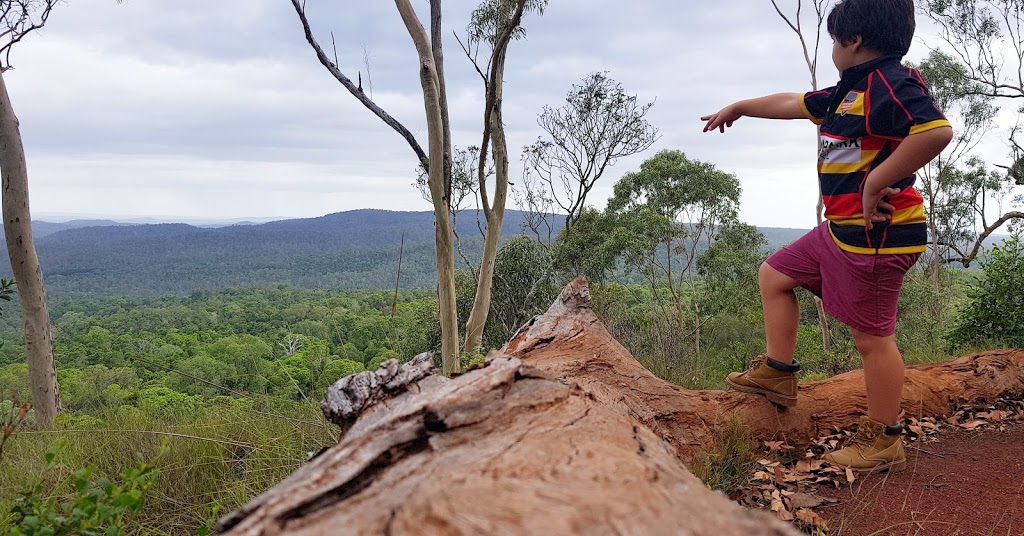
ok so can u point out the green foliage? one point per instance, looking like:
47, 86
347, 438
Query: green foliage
166, 401
523, 287
664, 222
729, 270
381, 357
994, 313
221, 456
489, 19
6, 288
586, 249
670, 212
97, 506
336, 370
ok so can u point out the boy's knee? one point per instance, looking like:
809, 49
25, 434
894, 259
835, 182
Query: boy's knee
764, 274
772, 280
870, 344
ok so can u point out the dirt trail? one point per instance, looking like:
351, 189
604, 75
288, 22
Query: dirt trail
964, 483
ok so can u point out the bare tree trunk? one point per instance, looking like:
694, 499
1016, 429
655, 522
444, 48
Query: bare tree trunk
25, 265
493, 212
826, 334
796, 24
436, 50
445, 248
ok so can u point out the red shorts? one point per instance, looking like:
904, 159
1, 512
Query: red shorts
861, 291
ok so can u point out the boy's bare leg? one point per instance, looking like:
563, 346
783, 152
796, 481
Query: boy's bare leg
883, 375
781, 312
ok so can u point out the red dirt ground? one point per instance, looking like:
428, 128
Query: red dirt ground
964, 483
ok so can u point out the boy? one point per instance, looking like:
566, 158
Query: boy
878, 126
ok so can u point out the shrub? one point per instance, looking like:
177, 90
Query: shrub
994, 314
97, 505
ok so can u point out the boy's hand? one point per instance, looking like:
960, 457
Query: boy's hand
875, 209
724, 118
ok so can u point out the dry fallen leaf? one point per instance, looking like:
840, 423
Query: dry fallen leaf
810, 518
972, 425
804, 500
850, 476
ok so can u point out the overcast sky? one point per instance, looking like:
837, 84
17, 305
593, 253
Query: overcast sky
219, 110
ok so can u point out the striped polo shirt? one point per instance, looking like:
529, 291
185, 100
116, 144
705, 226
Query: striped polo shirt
862, 121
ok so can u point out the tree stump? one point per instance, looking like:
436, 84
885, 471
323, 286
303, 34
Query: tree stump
562, 432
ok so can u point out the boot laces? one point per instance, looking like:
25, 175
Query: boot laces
864, 437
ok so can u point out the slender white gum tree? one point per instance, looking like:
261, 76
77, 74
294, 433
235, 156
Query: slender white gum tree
811, 58
19, 18
498, 23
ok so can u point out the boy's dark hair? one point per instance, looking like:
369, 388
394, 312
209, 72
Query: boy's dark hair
885, 26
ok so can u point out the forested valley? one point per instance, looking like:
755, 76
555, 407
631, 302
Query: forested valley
230, 380
191, 362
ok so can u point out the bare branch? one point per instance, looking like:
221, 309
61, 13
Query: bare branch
19, 18
968, 259
352, 88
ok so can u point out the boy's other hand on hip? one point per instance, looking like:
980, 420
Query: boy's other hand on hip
876, 208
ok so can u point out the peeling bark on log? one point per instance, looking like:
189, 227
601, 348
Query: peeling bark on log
500, 450
563, 433
570, 343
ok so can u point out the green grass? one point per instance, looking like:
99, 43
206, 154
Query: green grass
727, 464
220, 456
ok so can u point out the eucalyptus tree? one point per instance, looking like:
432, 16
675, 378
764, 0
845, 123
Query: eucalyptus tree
18, 18
956, 185
668, 214
494, 24
810, 54
598, 124
986, 40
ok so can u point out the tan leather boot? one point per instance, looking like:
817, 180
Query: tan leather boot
870, 449
777, 385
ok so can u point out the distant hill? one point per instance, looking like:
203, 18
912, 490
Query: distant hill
45, 228
355, 249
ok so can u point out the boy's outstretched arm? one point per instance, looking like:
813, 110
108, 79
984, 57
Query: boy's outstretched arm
914, 152
778, 106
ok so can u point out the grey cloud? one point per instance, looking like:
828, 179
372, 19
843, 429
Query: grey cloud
192, 106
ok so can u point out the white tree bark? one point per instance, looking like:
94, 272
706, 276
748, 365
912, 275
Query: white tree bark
25, 265
445, 249
494, 213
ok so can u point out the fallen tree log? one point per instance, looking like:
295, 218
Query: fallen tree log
570, 343
501, 450
563, 432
